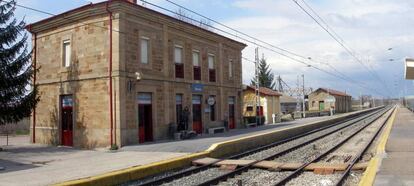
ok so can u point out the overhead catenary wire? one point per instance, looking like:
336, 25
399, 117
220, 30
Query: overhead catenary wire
226, 32
51, 14
251, 37
256, 39
342, 44
259, 45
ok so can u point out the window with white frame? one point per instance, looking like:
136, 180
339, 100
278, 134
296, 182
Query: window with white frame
66, 51
144, 50
196, 58
196, 65
178, 60
178, 54
211, 70
210, 61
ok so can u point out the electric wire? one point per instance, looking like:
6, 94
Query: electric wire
349, 51
256, 39
252, 42
231, 34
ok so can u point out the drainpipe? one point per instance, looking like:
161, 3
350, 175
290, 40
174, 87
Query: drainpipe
110, 73
34, 81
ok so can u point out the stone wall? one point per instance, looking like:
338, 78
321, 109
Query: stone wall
158, 76
341, 102
86, 80
267, 102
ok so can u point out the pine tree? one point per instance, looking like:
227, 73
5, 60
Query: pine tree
265, 75
18, 96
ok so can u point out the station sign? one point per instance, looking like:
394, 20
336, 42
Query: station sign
67, 102
197, 87
211, 100
330, 99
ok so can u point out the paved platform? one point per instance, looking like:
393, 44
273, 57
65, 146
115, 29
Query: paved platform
205, 141
33, 164
397, 168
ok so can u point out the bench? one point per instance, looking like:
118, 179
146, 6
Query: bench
250, 125
216, 130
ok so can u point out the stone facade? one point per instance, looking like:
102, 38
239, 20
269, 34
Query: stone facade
342, 103
270, 104
87, 78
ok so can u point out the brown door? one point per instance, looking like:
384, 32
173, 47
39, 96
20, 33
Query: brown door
144, 117
67, 120
232, 123
197, 121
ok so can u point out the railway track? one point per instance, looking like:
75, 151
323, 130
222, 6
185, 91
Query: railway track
209, 175
280, 178
298, 171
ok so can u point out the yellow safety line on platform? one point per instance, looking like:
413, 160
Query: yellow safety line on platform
141, 171
133, 173
368, 177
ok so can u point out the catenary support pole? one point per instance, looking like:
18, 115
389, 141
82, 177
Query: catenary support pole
303, 92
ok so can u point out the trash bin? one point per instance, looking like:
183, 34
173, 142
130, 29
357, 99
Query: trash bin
226, 125
172, 129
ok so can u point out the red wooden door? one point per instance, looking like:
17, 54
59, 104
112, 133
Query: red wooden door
67, 120
145, 117
259, 111
197, 121
145, 122
232, 124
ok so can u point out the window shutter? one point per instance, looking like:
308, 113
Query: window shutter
144, 51
178, 52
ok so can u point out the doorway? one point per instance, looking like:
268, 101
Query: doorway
232, 123
197, 121
144, 117
66, 102
321, 105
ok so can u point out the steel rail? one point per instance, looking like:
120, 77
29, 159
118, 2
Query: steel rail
328, 151
231, 174
362, 152
180, 174
187, 172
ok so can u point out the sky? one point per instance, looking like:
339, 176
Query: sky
368, 28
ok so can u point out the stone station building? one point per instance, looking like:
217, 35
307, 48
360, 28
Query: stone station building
269, 103
323, 99
118, 73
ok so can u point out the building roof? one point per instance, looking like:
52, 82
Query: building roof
265, 91
332, 92
287, 99
83, 12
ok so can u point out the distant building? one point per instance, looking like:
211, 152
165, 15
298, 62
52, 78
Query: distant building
323, 99
116, 72
408, 102
269, 103
288, 104
409, 68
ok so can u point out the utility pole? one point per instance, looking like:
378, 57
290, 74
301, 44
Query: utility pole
303, 92
279, 80
373, 101
297, 92
330, 102
360, 100
257, 86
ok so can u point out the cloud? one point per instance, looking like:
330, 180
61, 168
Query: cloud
368, 27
